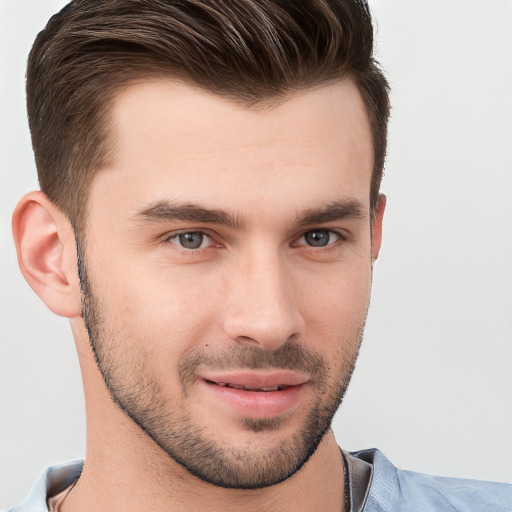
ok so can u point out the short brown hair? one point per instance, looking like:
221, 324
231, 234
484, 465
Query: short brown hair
246, 50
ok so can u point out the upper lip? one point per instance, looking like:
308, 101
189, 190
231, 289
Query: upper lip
257, 380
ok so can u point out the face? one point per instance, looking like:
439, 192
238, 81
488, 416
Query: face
226, 272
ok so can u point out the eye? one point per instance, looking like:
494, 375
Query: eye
319, 238
190, 240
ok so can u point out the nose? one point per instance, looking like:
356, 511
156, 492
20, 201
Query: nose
261, 306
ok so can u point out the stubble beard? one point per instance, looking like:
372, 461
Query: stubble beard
134, 390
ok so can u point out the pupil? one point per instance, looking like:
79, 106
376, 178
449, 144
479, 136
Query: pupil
191, 240
317, 238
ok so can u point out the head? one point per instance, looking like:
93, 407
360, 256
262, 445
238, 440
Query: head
217, 164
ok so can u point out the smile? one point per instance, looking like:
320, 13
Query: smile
255, 395
280, 387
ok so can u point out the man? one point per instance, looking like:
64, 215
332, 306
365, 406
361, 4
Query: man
208, 220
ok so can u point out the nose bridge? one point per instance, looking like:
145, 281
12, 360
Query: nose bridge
262, 305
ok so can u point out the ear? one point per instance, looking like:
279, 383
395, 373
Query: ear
45, 245
376, 227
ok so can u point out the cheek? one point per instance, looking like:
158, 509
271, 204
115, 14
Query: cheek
343, 289
161, 307
149, 325
337, 304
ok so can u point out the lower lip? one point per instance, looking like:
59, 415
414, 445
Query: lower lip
257, 404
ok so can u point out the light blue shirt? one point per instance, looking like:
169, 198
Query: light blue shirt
395, 490
374, 485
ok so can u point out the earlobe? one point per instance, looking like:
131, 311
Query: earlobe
377, 226
45, 247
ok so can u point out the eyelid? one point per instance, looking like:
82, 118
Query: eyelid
168, 237
338, 234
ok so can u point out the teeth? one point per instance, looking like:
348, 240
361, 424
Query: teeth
247, 388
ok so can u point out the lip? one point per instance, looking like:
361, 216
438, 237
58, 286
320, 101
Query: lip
262, 400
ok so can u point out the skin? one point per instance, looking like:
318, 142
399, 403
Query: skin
254, 288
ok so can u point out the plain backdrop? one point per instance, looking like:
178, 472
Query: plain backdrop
433, 386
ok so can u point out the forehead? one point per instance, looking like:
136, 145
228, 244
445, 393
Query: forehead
174, 141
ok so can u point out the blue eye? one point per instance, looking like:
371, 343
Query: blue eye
319, 237
191, 240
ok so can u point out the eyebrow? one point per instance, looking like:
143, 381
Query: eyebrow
167, 211
337, 210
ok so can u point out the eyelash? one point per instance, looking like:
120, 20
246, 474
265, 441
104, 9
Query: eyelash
340, 237
186, 250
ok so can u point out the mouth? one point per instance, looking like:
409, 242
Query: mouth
279, 387
256, 395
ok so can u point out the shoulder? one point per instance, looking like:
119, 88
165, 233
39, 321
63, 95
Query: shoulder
50, 482
396, 490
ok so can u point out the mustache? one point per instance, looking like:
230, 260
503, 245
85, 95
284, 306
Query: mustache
289, 356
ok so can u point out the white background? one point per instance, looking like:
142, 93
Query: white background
433, 386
